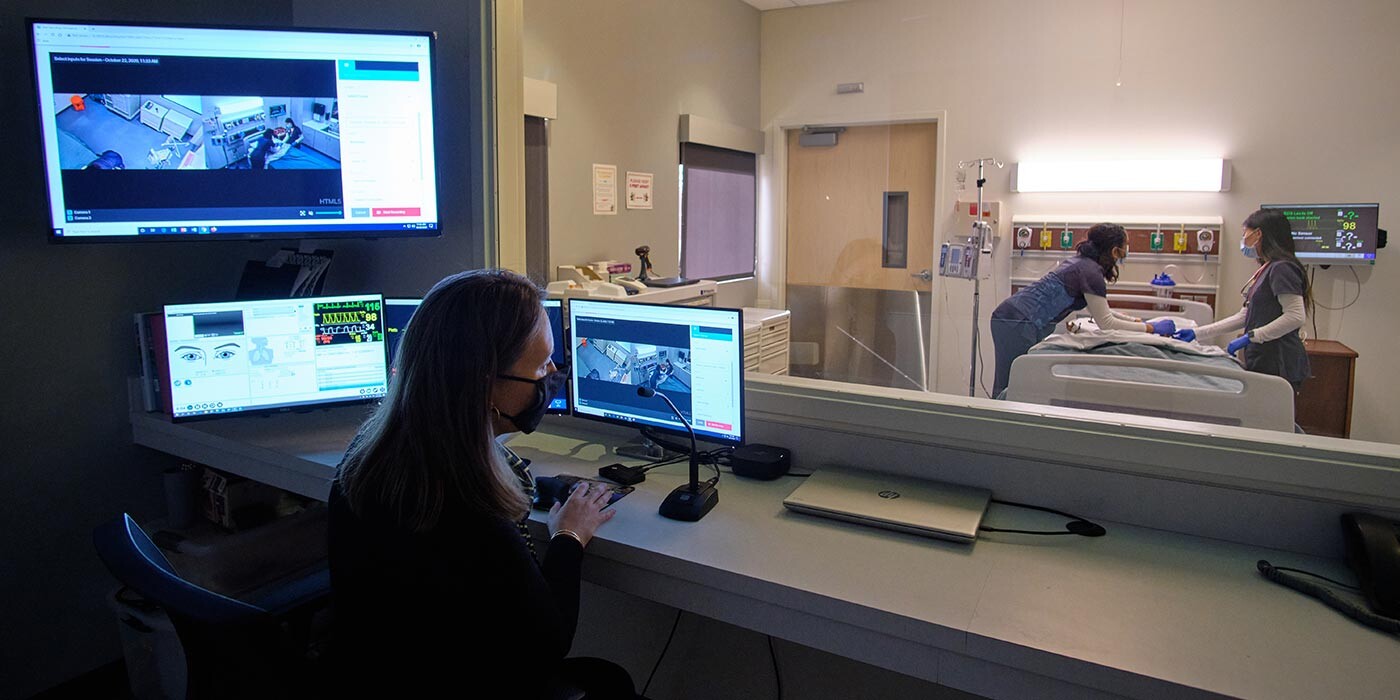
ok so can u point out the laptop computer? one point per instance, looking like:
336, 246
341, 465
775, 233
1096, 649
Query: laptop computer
919, 507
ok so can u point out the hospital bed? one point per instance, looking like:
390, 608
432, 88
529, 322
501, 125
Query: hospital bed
1144, 375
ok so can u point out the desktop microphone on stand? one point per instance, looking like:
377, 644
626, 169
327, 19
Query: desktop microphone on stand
690, 501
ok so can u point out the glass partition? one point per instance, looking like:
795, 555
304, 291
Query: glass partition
1191, 306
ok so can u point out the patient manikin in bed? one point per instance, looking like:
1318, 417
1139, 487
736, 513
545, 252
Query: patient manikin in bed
1085, 336
1087, 324
280, 146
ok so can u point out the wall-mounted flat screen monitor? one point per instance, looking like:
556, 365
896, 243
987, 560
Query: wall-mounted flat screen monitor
693, 355
252, 356
185, 132
1333, 234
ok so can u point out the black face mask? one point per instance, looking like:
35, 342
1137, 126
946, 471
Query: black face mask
545, 388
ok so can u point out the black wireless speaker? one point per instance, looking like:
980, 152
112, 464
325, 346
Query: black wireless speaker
764, 462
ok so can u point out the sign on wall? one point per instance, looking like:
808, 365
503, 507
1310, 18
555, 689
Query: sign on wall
604, 189
639, 190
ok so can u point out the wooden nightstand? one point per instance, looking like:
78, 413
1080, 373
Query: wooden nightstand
1323, 407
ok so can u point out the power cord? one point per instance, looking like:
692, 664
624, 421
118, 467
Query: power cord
1304, 572
1329, 597
982, 371
777, 675
1076, 525
664, 649
1312, 277
1348, 305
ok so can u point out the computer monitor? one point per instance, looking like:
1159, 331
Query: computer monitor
245, 356
155, 132
559, 403
693, 355
1333, 234
397, 312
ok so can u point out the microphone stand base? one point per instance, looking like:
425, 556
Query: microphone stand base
690, 505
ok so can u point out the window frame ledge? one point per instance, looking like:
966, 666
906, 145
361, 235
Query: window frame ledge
1351, 472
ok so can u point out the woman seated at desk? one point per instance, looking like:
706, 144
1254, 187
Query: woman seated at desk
437, 583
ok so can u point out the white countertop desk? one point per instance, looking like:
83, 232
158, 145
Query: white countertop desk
1139, 613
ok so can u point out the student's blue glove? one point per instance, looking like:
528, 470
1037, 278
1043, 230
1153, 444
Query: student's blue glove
1164, 327
1185, 335
1236, 344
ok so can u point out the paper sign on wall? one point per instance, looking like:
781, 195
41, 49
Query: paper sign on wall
604, 189
639, 190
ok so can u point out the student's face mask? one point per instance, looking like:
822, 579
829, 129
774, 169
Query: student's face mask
545, 388
1248, 250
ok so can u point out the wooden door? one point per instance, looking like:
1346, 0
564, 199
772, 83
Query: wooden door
837, 207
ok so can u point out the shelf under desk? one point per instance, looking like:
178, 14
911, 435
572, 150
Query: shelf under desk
1139, 613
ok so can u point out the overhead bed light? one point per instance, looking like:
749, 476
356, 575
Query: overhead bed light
1194, 175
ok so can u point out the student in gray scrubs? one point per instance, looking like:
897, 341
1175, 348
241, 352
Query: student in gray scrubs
1029, 316
1275, 304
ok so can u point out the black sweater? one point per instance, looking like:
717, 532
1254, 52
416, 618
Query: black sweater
464, 606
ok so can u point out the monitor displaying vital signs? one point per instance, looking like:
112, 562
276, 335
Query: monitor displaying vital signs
1333, 234
176, 132
238, 356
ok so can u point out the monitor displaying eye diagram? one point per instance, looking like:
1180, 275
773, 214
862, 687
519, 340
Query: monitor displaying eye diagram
241, 356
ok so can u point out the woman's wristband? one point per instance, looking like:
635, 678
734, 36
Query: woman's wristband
568, 533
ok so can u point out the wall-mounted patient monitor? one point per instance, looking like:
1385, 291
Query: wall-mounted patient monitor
694, 355
1333, 234
231, 357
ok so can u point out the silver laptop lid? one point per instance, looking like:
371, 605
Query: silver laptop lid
899, 503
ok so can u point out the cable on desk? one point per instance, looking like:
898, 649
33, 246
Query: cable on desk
1309, 573
1076, 525
1329, 597
669, 637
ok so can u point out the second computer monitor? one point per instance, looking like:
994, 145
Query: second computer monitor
693, 355
559, 403
397, 312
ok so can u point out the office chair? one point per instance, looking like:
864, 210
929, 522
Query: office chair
233, 648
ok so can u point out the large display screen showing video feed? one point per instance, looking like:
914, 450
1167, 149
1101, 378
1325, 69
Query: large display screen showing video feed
693, 355
239, 356
164, 132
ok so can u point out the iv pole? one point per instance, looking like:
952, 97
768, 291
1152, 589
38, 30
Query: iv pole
981, 233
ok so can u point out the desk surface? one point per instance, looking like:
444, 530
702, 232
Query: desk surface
1140, 612
1328, 347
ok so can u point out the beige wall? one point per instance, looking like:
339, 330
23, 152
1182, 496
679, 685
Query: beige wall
1300, 95
626, 71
